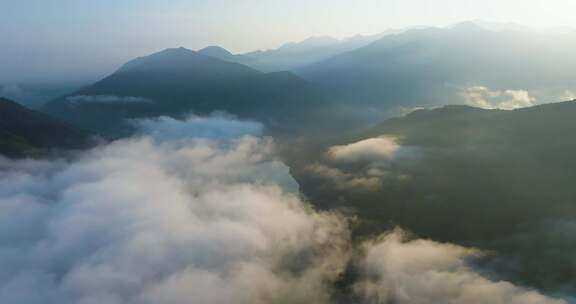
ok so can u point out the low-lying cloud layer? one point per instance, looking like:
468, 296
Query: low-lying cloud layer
216, 127
181, 217
568, 95
106, 99
421, 271
140, 221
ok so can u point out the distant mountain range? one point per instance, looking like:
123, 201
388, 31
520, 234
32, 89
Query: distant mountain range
24, 132
291, 56
223, 54
363, 75
180, 81
427, 66
431, 65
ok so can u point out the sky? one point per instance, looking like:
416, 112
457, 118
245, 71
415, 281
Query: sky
72, 40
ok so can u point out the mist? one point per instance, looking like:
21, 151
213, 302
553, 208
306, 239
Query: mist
185, 212
292, 152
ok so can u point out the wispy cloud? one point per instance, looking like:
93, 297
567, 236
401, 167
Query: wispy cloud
483, 97
149, 221
106, 99
378, 148
187, 214
404, 271
568, 95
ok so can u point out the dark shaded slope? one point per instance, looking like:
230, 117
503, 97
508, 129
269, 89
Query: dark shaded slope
24, 132
498, 180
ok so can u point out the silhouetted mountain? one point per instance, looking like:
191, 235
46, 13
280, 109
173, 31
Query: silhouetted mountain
294, 55
179, 81
493, 179
24, 132
222, 54
309, 43
431, 66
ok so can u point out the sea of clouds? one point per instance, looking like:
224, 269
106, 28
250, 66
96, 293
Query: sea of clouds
202, 211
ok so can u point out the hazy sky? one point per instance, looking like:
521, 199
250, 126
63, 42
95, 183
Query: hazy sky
85, 39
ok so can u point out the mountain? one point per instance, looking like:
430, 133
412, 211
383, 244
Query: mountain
460, 156
309, 43
24, 132
432, 66
179, 81
291, 56
34, 95
497, 180
222, 54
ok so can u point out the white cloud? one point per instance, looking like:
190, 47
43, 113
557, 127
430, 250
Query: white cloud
346, 181
483, 97
214, 127
372, 149
178, 217
374, 155
149, 221
421, 271
568, 95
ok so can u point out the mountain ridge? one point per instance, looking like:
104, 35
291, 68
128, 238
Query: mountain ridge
177, 81
431, 66
25, 132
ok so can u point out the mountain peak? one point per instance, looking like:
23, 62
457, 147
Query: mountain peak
468, 26
175, 51
170, 57
219, 53
321, 40
215, 50
311, 42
